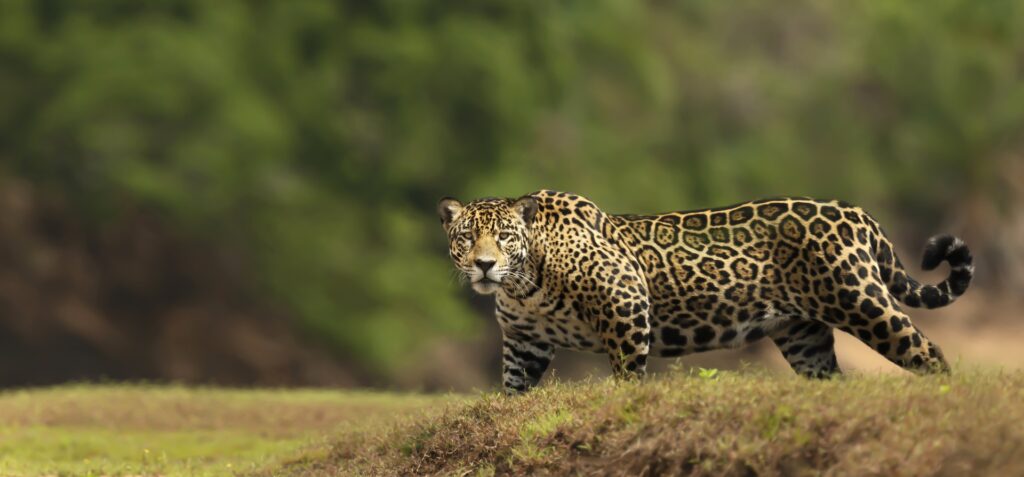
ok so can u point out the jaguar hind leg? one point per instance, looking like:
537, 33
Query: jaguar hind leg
809, 347
877, 320
893, 335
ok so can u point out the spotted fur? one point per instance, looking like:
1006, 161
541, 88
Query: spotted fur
567, 275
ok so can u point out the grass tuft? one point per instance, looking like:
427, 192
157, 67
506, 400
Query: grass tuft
534, 433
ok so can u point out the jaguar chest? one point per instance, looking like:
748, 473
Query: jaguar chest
553, 320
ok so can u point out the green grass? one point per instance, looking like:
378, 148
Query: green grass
724, 423
537, 429
171, 430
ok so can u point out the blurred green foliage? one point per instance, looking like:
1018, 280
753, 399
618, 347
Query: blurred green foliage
316, 135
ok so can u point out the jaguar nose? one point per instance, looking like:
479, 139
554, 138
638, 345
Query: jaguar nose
484, 265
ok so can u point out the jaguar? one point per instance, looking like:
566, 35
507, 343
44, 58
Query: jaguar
566, 274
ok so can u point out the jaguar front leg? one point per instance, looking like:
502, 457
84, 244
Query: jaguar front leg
523, 362
621, 313
628, 344
625, 328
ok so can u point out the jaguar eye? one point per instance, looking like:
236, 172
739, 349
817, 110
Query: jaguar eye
504, 236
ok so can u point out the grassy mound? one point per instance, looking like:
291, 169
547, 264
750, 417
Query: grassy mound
709, 423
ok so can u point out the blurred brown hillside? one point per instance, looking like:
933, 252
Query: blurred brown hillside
132, 301
243, 191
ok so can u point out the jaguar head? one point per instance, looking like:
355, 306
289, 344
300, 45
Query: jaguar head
489, 239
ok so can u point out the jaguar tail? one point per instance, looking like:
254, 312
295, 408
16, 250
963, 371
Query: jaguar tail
938, 249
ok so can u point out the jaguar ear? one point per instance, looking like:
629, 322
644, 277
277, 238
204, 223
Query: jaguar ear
526, 206
447, 209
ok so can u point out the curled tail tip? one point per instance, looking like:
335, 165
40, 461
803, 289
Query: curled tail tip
954, 251
938, 249
945, 248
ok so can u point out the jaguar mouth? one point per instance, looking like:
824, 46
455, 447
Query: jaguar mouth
486, 286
